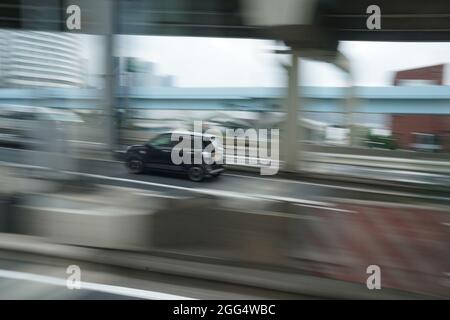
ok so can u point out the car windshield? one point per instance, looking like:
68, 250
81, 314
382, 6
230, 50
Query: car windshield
162, 141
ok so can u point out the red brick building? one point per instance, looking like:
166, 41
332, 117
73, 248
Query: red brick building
413, 131
409, 129
433, 75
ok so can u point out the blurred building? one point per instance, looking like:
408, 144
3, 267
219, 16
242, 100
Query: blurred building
40, 59
425, 132
430, 75
139, 73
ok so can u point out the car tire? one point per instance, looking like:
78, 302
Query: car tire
196, 173
135, 165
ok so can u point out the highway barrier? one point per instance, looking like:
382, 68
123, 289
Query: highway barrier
339, 239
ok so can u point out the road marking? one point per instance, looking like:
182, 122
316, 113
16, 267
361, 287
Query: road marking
25, 166
434, 207
101, 160
225, 193
87, 142
171, 186
124, 291
236, 194
157, 195
240, 195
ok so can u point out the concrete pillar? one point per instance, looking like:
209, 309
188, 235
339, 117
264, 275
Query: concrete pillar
110, 82
349, 106
343, 63
290, 140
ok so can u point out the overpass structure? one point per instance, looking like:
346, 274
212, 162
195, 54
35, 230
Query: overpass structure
310, 28
370, 100
402, 20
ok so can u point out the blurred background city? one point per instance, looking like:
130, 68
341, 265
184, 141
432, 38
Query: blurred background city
364, 120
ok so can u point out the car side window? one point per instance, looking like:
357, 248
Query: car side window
162, 141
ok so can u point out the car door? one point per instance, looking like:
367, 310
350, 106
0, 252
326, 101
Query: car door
160, 150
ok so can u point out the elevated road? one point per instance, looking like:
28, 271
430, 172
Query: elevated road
402, 20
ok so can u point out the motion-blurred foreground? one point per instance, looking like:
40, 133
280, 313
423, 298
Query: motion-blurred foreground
359, 207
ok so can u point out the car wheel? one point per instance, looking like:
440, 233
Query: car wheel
135, 165
196, 173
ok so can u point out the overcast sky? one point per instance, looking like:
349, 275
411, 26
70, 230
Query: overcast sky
217, 62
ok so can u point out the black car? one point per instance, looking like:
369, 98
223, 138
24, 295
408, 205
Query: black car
156, 155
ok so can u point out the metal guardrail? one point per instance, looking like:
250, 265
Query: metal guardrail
429, 166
